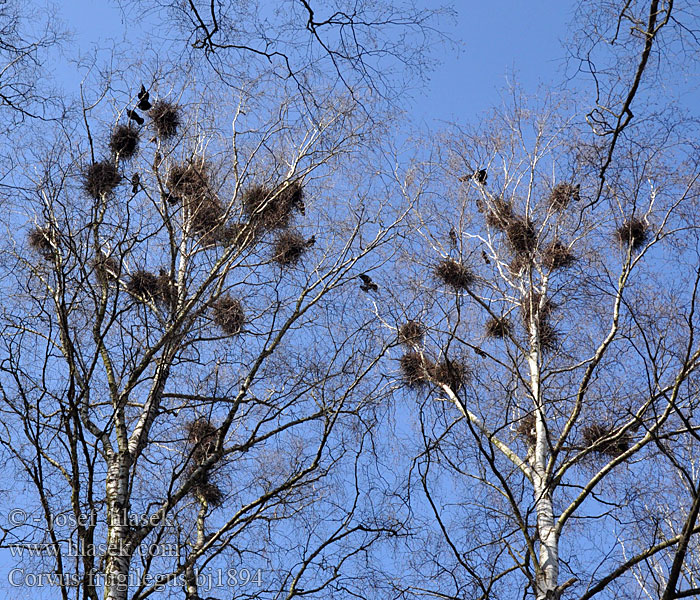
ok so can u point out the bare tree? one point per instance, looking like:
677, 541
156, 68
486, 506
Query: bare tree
551, 346
180, 393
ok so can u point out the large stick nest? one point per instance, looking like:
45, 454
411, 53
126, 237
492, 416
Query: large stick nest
411, 333
557, 255
450, 372
499, 327
594, 433
454, 274
499, 214
101, 178
273, 209
124, 142
527, 429
633, 232
229, 315
106, 268
415, 369
148, 287
43, 241
562, 194
201, 435
532, 302
289, 248
165, 118
190, 180
521, 235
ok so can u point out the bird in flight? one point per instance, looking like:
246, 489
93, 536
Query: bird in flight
367, 284
134, 116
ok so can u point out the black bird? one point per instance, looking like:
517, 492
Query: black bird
576, 194
171, 198
481, 176
143, 104
134, 116
453, 236
311, 241
367, 284
485, 257
135, 181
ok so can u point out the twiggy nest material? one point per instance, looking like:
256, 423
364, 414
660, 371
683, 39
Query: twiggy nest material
273, 209
101, 178
106, 268
166, 119
454, 274
562, 194
411, 333
557, 255
229, 315
201, 435
521, 235
289, 248
190, 180
498, 327
167, 290
415, 369
532, 302
124, 142
519, 262
527, 429
144, 286
633, 232
207, 219
42, 240
208, 491
452, 373
499, 214
594, 433
548, 336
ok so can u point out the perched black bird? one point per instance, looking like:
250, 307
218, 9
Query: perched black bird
171, 198
367, 284
576, 194
135, 181
311, 241
485, 257
453, 236
144, 104
134, 116
481, 176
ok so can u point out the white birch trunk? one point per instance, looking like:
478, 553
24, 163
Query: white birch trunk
118, 555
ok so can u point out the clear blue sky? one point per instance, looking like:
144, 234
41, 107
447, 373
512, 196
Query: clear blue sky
497, 40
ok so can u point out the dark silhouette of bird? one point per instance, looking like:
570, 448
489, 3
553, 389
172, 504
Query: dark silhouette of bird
135, 181
143, 104
481, 176
367, 284
170, 198
479, 352
576, 194
134, 116
311, 241
485, 257
453, 236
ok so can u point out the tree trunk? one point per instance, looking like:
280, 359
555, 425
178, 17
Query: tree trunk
119, 551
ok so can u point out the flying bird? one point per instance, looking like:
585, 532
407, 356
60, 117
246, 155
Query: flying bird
134, 116
367, 284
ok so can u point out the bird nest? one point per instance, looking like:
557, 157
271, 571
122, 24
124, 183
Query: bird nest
454, 274
499, 214
596, 434
548, 336
633, 232
124, 142
521, 235
452, 373
101, 178
531, 302
411, 333
415, 369
273, 209
190, 180
289, 248
499, 327
562, 194
201, 434
207, 219
527, 429
205, 490
43, 241
148, 287
229, 315
557, 255
165, 117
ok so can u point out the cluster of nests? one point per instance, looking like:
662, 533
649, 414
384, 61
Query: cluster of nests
101, 178
201, 438
418, 370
